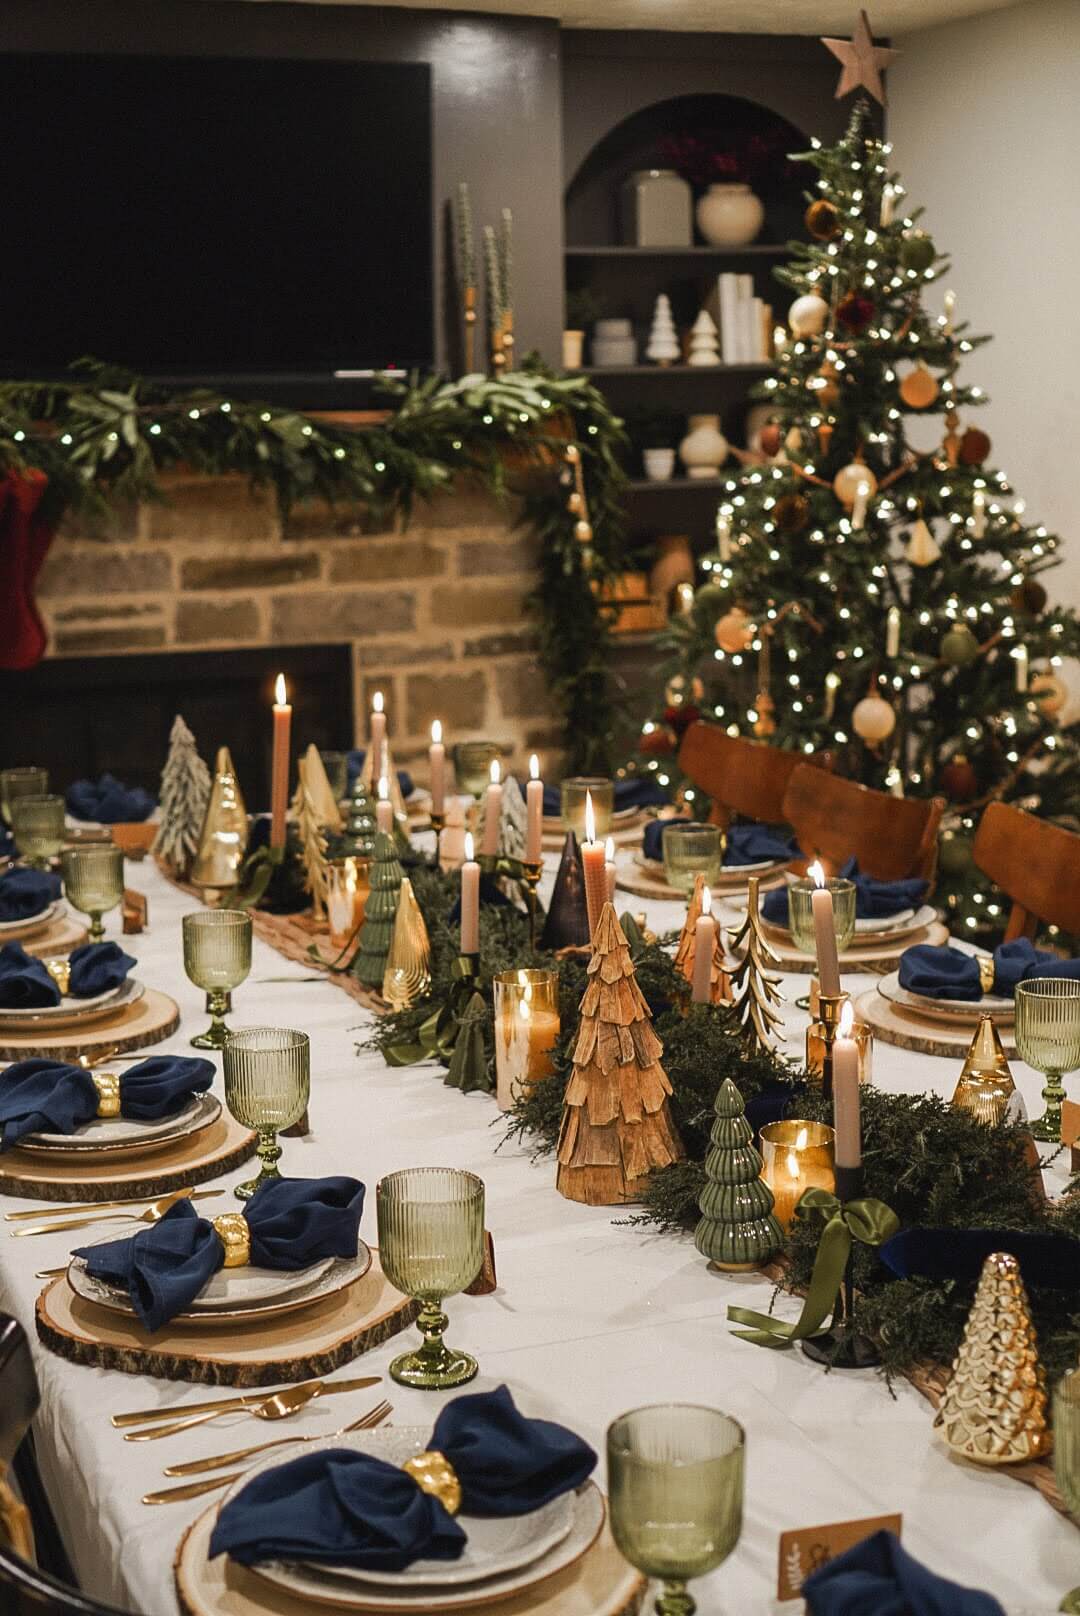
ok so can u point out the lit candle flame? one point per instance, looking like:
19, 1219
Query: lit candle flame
609, 850
384, 788
816, 873
436, 733
523, 1009
800, 1140
792, 1164
495, 772
590, 818
468, 847
377, 702
706, 901
534, 767
847, 1020
281, 695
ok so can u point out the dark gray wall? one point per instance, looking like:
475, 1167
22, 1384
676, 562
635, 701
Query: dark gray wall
495, 116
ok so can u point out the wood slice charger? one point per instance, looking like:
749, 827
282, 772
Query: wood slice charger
150, 1019
61, 936
877, 956
299, 1345
894, 1025
599, 1584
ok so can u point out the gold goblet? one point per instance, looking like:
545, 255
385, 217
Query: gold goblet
431, 1245
1048, 1038
217, 958
267, 1085
37, 823
93, 881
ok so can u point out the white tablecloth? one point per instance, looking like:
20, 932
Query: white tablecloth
591, 1318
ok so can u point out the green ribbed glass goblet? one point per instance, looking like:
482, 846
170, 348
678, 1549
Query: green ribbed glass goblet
267, 1086
93, 881
689, 851
217, 958
22, 782
1048, 1038
431, 1245
1067, 1458
37, 823
675, 1493
472, 765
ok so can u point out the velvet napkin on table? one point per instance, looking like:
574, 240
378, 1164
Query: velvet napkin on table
945, 972
874, 899
345, 1508
293, 1222
108, 801
25, 893
746, 844
47, 1096
25, 984
943, 1254
637, 793
879, 1578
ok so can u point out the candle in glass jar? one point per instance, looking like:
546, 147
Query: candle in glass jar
824, 932
384, 808
534, 808
845, 1075
797, 1156
377, 733
492, 811
470, 900
279, 775
704, 946
609, 867
595, 865
437, 766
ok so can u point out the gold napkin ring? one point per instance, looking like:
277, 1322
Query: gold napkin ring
108, 1093
234, 1234
986, 972
433, 1473
59, 968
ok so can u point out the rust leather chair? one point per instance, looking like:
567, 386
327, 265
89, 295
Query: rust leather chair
742, 776
833, 819
1035, 863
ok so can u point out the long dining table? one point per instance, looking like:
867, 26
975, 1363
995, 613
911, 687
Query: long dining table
592, 1316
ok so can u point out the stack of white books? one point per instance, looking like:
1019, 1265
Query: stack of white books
745, 321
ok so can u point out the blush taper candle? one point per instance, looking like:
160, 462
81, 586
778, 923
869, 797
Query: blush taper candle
279, 775
824, 933
595, 865
534, 806
470, 900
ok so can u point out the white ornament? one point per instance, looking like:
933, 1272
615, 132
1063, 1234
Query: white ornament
703, 345
873, 719
807, 315
663, 345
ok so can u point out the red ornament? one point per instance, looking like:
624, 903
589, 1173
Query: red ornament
959, 779
770, 438
855, 312
658, 742
680, 718
974, 447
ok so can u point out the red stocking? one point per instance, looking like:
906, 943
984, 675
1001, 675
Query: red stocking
25, 537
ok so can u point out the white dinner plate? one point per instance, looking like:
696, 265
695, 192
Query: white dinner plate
126, 1133
962, 1010
235, 1293
71, 1012
885, 923
12, 930
894, 927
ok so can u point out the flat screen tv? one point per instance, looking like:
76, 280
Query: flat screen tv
218, 219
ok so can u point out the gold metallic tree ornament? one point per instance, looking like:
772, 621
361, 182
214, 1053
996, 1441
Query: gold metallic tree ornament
223, 839
986, 1084
408, 964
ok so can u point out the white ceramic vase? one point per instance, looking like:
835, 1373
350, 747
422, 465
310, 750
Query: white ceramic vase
659, 464
729, 215
704, 448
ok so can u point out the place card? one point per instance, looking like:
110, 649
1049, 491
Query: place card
808, 1548
134, 911
485, 1281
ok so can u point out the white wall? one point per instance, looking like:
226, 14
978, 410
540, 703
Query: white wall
984, 116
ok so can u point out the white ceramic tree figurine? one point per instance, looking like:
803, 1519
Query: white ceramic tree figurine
704, 349
663, 345
184, 794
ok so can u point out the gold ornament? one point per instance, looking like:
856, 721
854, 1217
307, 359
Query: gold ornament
232, 1230
919, 388
433, 1473
986, 1084
1050, 693
224, 836
756, 994
850, 478
407, 976
791, 513
313, 842
824, 386
807, 315
994, 1407
734, 631
108, 1093
922, 548
765, 707
822, 220
793, 440
873, 719
575, 503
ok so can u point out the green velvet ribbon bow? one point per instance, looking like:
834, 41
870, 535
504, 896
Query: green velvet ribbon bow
866, 1220
438, 1033
254, 877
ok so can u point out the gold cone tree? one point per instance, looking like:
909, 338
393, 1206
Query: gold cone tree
616, 1123
312, 843
994, 1407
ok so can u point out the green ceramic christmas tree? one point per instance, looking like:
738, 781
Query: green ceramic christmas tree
737, 1228
358, 837
369, 965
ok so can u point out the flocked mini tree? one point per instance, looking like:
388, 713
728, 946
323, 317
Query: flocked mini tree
876, 588
185, 792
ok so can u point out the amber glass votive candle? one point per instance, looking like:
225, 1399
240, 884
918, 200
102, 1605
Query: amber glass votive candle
346, 897
526, 1028
796, 1156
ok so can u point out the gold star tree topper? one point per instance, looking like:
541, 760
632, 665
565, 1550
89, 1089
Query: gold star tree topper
863, 61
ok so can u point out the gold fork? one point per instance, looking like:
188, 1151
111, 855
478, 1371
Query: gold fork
195, 1489
152, 1214
196, 1467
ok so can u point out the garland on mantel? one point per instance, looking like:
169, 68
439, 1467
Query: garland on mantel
106, 436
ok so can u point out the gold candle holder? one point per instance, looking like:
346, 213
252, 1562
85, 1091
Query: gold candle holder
347, 888
796, 1156
830, 1006
438, 824
532, 871
816, 1042
526, 1027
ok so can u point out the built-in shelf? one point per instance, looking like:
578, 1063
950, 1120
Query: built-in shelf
755, 250
646, 485
669, 370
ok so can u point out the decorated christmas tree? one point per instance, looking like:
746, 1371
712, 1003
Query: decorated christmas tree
737, 1228
994, 1407
686, 951
877, 588
185, 792
369, 963
616, 1124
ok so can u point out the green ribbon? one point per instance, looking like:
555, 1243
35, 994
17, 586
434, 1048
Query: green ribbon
253, 878
868, 1221
438, 1033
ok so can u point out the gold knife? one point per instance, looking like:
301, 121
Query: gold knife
84, 1222
229, 1405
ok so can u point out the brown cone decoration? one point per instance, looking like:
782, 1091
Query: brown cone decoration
616, 1124
686, 952
567, 923
994, 1407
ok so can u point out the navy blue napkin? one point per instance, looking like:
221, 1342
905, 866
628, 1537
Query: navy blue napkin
879, 1578
96, 967
921, 1253
47, 1096
355, 762
25, 984
342, 1508
746, 844
293, 1222
635, 793
7, 843
108, 802
948, 973
874, 899
25, 893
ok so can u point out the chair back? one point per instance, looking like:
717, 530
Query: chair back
18, 1387
26, 1591
740, 775
892, 837
1035, 863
